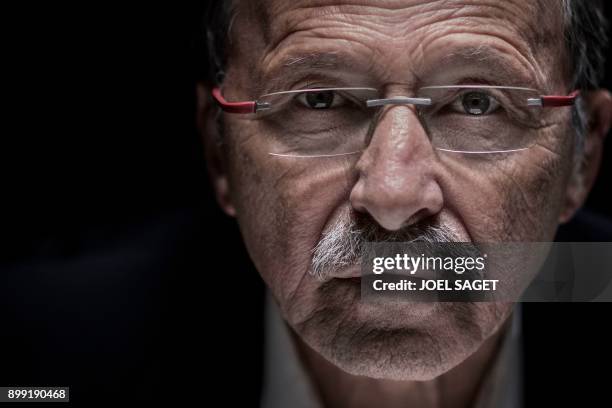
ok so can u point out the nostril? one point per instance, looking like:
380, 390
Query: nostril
417, 217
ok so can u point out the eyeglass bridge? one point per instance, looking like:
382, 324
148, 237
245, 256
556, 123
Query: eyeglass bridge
398, 100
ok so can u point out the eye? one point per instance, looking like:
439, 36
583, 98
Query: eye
320, 100
476, 103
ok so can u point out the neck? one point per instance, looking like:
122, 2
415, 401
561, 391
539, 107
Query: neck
457, 388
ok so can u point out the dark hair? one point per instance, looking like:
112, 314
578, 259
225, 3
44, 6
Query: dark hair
586, 34
212, 38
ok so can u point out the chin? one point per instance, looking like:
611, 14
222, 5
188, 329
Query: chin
400, 346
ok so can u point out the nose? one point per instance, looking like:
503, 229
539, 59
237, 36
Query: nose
396, 181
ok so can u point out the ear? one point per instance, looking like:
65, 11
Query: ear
216, 161
599, 114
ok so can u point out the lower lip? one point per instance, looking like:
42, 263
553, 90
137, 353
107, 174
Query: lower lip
410, 311
350, 272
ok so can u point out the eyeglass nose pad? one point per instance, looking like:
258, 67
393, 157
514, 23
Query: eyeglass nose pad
398, 100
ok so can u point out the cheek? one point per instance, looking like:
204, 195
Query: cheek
283, 205
515, 197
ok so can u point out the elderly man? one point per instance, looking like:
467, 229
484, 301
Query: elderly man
328, 124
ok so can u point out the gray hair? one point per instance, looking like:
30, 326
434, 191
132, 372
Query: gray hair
345, 243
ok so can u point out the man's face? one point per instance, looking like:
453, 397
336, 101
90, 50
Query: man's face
285, 205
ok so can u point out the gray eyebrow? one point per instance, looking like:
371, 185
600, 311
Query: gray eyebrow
487, 54
312, 60
294, 64
483, 51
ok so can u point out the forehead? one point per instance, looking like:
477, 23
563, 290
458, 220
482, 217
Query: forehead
378, 35
279, 16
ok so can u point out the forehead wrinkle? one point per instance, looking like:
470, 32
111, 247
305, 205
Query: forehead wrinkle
294, 63
490, 57
499, 46
297, 18
487, 19
520, 13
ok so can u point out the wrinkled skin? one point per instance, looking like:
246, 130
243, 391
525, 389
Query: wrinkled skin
284, 205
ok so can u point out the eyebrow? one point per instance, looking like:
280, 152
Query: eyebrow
312, 60
292, 66
486, 56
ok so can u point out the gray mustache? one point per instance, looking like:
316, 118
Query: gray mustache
345, 242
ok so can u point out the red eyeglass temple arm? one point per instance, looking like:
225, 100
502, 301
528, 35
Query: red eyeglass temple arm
233, 107
251, 106
553, 100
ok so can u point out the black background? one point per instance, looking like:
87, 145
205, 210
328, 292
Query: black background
120, 276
